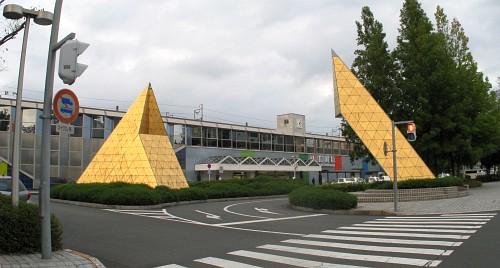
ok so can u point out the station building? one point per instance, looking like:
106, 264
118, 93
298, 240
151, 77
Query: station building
206, 150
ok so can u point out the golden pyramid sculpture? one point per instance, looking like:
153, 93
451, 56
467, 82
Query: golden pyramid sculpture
138, 150
372, 125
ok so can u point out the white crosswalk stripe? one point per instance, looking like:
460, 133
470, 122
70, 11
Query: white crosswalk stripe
288, 260
419, 241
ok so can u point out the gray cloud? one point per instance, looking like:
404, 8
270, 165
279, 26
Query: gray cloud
245, 61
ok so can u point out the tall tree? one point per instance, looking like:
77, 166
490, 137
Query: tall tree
425, 81
475, 111
374, 68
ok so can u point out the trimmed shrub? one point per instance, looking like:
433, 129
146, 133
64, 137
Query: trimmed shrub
420, 183
119, 193
473, 183
20, 228
322, 198
347, 187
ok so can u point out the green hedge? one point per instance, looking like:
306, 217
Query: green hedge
322, 198
420, 183
119, 193
20, 228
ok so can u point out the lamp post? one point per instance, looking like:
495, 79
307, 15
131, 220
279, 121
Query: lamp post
40, 17
294, 167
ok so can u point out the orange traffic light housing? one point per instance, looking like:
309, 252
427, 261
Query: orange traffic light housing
411, 131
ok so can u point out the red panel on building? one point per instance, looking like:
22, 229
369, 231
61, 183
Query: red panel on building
338, 162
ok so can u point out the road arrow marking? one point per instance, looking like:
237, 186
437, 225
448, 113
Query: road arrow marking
265, 210
210, 216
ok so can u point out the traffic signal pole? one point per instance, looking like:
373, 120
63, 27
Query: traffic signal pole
394, 162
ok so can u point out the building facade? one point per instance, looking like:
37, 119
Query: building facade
205, 150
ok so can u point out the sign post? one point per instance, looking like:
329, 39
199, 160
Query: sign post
66, 106
209, 166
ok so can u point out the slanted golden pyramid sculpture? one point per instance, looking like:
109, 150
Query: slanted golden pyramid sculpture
138, 150
372, 125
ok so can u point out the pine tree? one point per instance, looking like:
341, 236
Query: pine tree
374, 68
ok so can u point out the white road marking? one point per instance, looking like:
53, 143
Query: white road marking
268, 219
420, 226
226, 209
398, 234
429, 222
451, 216
409, 230
472, 214
210, 216
425, 251
387, 240
288, 260
358, 257
265, 210
435, 218
224, 263
171, 266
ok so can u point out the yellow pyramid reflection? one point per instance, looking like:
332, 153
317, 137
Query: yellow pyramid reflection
372, 125
138, 150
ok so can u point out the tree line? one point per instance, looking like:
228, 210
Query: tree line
430, 77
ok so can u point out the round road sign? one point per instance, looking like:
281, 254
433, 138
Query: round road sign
66, 106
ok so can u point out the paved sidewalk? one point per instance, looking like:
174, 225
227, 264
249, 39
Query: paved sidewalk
483, 199
61, 258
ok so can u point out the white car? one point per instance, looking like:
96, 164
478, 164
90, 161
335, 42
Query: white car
371, 179
442, 175
6, 188
384, 178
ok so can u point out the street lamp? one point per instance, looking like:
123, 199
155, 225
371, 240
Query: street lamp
40, 17
294, 167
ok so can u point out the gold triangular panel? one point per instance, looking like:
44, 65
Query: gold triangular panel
133, 151
355, 104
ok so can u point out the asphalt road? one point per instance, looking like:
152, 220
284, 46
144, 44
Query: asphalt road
238, 231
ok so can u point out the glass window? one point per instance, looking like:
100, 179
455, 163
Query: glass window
97, 127
239, 139
310, 145
299, 144
78, 123
29, 120
179, 135
328, 147
289, 144
254, 140
4, 118
319, 146
210, 137
225, 138
193, 135
278, 143
266, 141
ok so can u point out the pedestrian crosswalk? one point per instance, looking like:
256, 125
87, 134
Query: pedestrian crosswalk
397, 241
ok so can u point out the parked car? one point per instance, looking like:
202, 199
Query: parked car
6, 188
473, 173
442, 175
371, 179
340, 180
384, 178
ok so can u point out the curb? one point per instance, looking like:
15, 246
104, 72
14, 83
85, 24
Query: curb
348, 211
95, 261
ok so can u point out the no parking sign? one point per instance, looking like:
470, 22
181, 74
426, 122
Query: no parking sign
66, 106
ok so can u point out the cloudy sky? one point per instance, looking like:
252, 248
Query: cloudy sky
246, 61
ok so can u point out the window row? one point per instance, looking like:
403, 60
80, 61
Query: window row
240, 139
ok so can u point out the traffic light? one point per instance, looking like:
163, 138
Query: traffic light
69, 68
411, 130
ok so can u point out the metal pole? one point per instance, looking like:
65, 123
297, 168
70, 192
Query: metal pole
16, 148
46, 130
394, 160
